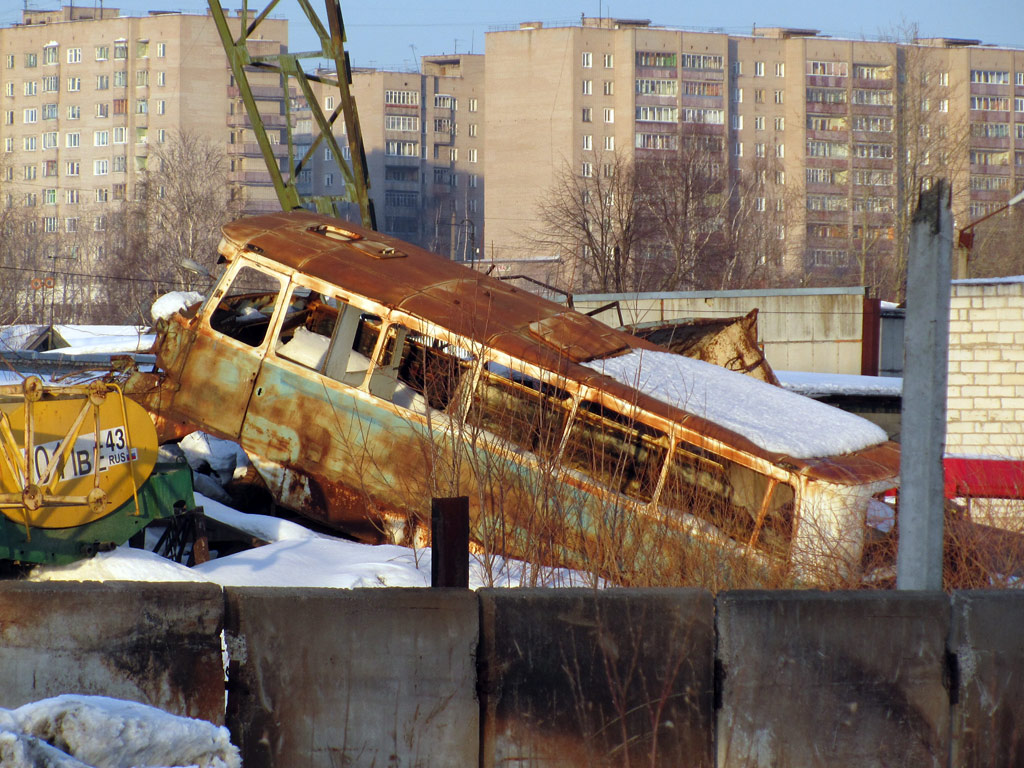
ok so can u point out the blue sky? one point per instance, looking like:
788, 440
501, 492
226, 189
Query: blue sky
393, 33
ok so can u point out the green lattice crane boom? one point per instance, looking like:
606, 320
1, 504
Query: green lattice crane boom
288, 65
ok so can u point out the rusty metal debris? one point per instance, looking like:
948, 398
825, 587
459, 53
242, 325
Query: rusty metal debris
364, 376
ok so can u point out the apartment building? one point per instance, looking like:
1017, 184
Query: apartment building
88, 94
844, 133
423, 133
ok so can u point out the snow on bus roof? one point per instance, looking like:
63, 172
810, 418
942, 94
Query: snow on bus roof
768, 416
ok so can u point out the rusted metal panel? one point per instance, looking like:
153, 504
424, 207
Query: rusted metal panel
158, 644
729, 342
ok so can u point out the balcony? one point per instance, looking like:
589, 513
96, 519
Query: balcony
252, 149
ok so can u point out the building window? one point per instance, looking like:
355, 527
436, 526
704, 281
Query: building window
121, 79
74, 84
609, 115
588, 87
402, 98
737, 95
9, 88
736, 121
759, 123
10, 61
737, 149
49, 168
759, 95
72, 140
141, 106
103, 109
9, 144
49, 197
759, 204
51, 84
329, 103
120, 106
72, 168
609, 60
443, 101
28, 172
31, 87
655, 59
758, 69
71, 224
588, 60
141, 135
471, 155
50, 54
759, 149
29, 144
102, 52
737, 68
120, 49
102, 82
142, 49
588, 142
101, 138
161, 107
161, 136
50, 224
587, 170
401, 149
401, 123
121, 135
50, 140
780, 123
9, 116
473, 105
120, 164
74, 55
609, 87
609, 143
474, 180
30, 115
472, 130
587, 114
71, 196
780, 150
161, 78
780, 69
779, 96
141, 78
161, 50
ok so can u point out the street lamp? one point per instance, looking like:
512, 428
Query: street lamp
965, 240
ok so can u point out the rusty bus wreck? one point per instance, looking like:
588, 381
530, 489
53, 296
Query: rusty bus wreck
364, 376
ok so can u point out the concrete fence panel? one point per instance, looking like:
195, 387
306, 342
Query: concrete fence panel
584, 678
329, 677
833, 679
988, 714
158, 644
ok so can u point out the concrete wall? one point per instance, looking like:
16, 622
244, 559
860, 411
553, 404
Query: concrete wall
321, 677
818, 330
985, 402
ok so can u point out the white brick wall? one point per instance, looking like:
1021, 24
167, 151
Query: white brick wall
985, 399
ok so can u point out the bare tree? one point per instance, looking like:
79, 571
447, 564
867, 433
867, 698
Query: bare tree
592, 215
185, 198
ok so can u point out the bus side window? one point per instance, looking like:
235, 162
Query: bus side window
244, 312
531, 417
431, 368
730, 496
351, 346
306, 332
620, 453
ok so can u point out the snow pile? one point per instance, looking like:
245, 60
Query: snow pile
121, 564
822, 384
170, 303
299, 557
768, 416
225, 458
99, 732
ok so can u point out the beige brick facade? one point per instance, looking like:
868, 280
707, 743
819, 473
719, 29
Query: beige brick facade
985, 400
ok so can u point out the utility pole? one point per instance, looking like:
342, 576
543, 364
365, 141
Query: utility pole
926, 345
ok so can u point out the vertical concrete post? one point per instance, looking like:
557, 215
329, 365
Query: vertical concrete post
449, 541
926, 344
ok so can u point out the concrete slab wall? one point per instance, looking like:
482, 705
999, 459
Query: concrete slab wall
801, 329
419, 677
584, 678
833, 679
988, 716
158, 644
331, 677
